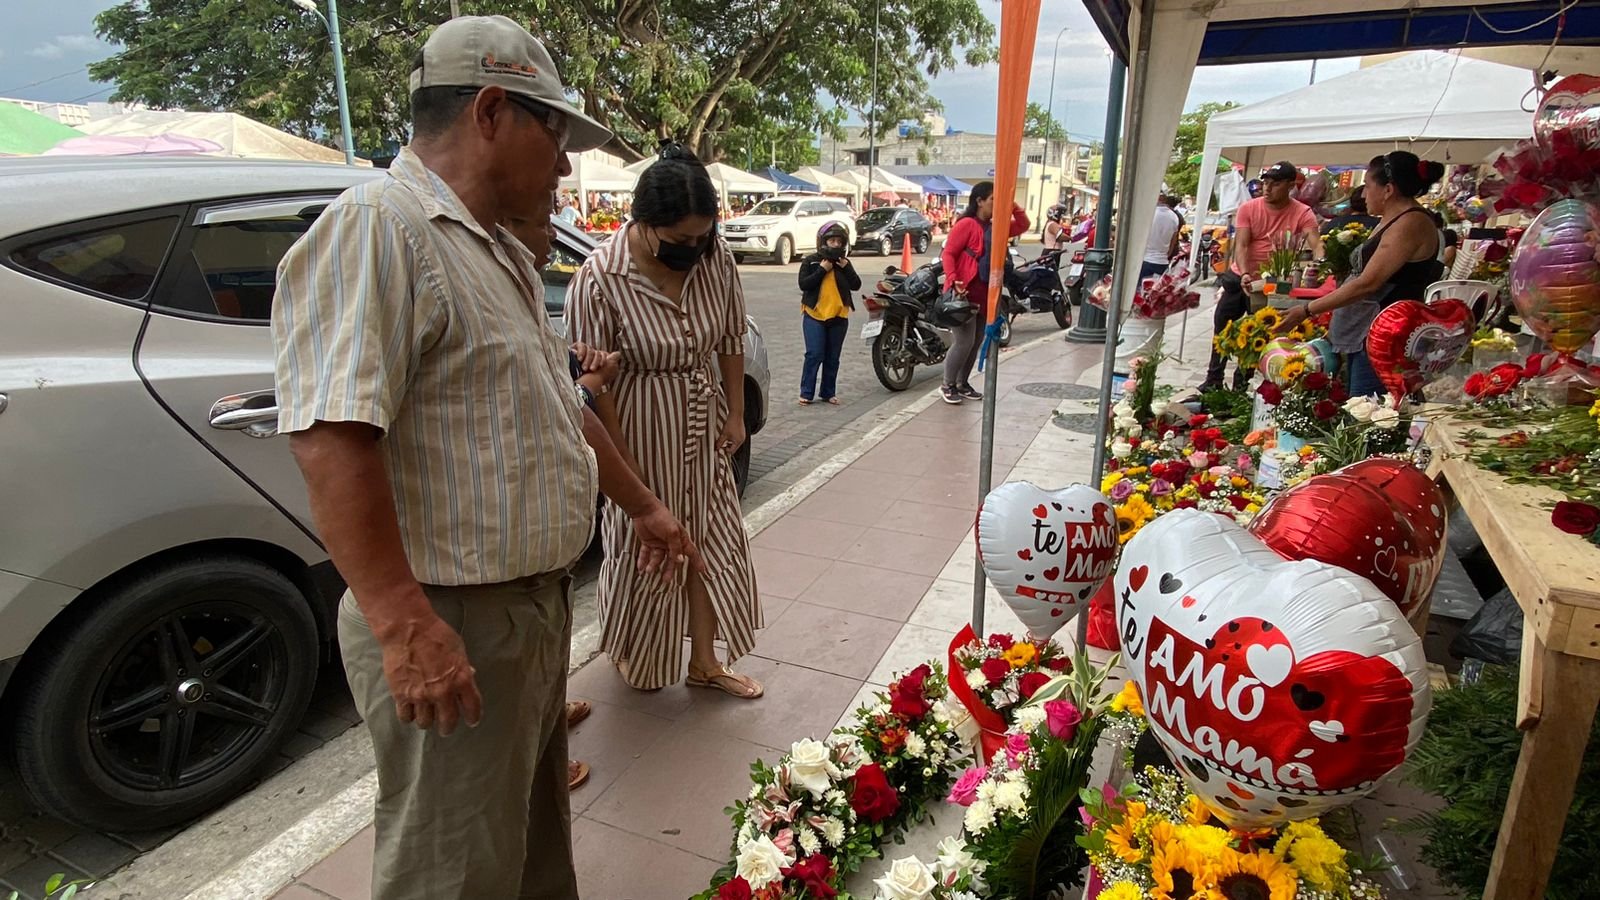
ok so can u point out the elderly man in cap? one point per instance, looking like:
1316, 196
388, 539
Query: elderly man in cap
1260, 222
430, 406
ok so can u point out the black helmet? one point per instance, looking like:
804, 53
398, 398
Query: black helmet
1056, 213
832, 229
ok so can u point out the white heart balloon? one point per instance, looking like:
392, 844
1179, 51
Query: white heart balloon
1280, 689
1046, 552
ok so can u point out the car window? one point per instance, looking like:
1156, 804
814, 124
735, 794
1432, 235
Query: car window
772, 208
874, 218
564, 263
230, 266
118, 261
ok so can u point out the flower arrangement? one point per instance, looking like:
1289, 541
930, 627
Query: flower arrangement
955, 875
1003, 671
1308, 404
1285, 255
826, 806
1339, 250
1021, 816
1176, 464
603, 220
1245, 337
1157, 841
1496, 382
1157, 297
1535, 174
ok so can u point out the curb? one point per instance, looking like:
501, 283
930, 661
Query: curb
330, 825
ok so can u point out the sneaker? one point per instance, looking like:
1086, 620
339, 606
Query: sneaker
950, 395
969, 392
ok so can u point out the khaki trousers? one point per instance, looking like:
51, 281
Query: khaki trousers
483, 812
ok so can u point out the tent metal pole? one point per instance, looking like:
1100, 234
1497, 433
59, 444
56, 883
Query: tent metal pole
1141, 74
1091, 324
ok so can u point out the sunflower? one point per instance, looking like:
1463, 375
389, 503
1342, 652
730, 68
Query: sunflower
1122, 890
1292, 370
1123, 838
1180, 874
1140, 508
1254, 876
1127, 526
1021, 655
1269, 318
1258, 344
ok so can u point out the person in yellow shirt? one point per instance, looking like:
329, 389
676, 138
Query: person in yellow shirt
826, 280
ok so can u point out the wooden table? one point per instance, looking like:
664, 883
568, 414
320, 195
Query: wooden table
1555, 578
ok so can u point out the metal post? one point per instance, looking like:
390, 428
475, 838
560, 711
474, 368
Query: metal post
1091, 325
332, 21
1049, 117
872, 109
991, 388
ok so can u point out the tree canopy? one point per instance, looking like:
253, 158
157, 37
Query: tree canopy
1183, 177
1039, 123
724, 76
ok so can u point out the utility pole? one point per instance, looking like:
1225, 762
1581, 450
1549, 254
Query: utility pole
455, 9
872, 109
331, 23
1049, 119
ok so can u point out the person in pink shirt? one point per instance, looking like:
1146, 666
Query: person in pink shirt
1259, 223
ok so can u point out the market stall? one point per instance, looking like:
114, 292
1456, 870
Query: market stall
881, 182
237, 135
591, 175
787, 182
829, 183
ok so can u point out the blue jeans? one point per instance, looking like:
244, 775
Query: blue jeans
824, 346
1364, 380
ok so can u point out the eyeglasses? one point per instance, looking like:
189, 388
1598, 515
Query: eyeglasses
550, 118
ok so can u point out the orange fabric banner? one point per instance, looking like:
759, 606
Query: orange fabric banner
1019, 31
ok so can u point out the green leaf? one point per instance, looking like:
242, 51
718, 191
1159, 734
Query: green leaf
53, 882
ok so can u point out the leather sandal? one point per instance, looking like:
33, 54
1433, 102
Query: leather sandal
725, 680
577, 711
577, 774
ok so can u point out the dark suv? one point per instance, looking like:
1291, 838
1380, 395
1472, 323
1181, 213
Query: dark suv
884, 230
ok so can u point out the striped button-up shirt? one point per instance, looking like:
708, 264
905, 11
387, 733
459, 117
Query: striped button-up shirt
397, 309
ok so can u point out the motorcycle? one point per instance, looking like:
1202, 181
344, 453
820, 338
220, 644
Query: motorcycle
904, 309
1035, 287
1072, 282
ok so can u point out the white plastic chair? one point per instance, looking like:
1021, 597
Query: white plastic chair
1482, 297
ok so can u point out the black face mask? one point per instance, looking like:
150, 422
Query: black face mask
679, 257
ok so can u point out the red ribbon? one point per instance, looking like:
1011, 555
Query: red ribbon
992, 733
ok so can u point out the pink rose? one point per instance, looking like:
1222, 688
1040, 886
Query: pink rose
1016, 746
1161, 487
1122, 490
1244, 465
966, 787
1062, 718
1200, 460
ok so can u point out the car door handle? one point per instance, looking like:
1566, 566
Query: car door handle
254, 413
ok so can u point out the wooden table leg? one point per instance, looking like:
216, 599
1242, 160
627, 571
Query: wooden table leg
1547, 771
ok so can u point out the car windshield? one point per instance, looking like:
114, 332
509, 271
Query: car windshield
772, 208
874, 218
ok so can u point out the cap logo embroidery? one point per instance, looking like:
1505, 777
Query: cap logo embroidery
490, 64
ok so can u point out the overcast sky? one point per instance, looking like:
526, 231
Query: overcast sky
46, 45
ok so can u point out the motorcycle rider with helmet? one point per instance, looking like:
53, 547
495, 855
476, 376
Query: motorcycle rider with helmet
826, 281
1055, 228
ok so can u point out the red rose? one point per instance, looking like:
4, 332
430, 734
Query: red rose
871, 796
1535, 366
816, 873
908, 698
1001, 642
1475, 384
1325, 409
1219, 445
1576, 518
1195, 421
1186, 504
995, 669
1514, 439
1337, 393
1271, 393
737, 889
1316, 381
1239, 501
1206, 489
1059, 664
1502, 379
1029, 684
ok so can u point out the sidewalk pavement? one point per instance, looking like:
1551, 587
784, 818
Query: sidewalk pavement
868, 576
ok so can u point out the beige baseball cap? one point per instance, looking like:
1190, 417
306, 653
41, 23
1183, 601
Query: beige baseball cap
480, 51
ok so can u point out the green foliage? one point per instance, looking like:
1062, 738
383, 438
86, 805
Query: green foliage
725, 77
1231, 411
1144, 388
1183, 177
1039, 123
1467, 757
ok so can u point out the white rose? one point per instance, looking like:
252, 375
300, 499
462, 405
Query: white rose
1360, 408
833, 831
811, 767
976, 679
1123, 423
1135, 431
954, 859
916, 747
1161, 408
808, 841
1122, 410
1347, 238
908, 879
1121, 449
761, 862
1385, 418
1030, 717
980, 815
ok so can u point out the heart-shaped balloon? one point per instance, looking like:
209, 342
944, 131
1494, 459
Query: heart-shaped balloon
1045, 551
1279, 352
1379, 518
1280, 689
1555, 275
1411, 343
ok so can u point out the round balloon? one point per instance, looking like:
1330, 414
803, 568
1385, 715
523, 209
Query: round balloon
1571, 105
1046, 552
1379, 518
1279, 352
1555, 275
1411, 343
1280, 689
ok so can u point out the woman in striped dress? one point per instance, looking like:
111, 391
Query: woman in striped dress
664, 292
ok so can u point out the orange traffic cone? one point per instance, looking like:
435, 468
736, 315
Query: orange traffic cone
905, 253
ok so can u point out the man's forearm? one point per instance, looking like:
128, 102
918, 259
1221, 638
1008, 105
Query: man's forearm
617, 479
353, 507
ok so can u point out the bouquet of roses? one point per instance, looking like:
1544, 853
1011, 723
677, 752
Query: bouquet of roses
1308, 406
1339, 250
1003, 671
1186, 464
1166, 294
955, 875
1536, 174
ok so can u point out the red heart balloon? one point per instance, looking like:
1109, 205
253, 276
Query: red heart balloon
1410, 343
1380, 518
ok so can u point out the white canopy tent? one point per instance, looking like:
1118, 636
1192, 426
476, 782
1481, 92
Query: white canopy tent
590, 173
239, 136
882, 180
830, 183
730, 180
1441, 106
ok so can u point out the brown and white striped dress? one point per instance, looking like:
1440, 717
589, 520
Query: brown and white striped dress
672, 407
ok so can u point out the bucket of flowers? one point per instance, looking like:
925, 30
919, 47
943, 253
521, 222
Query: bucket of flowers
1339, 250
993, 677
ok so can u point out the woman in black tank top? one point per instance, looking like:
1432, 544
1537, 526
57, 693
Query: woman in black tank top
1397, 263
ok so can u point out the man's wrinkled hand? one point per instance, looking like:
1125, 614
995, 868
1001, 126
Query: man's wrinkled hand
664, 544
429, 675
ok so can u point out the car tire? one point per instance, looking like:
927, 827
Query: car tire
741, 466
920, 244
886, 245
139, 656
784, 251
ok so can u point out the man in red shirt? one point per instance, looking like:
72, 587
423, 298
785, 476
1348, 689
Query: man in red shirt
1257, 225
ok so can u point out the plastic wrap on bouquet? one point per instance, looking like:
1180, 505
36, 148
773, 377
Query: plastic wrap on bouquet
1102, 630
1555, 279
991, 725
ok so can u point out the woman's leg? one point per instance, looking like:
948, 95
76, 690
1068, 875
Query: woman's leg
963, 352
816, 345
703, 663
1364, 380
837, 329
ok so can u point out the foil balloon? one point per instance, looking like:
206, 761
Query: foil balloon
1571, 105
1281, 690
1324, 349
1379, 518
1279, 352
1410, 343
1555, 275
1046, 552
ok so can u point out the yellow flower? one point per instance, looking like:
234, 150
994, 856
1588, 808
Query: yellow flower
1123, 838
1205, 841
1195, 811
1292, 370
1110, 481
1258, 344
1139, 508
1127, 526
1127, 700
1269, 318
1254, 876
1137, 470
1318, 859
1179, 873
1239, 481
1021, 655
1122, 890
